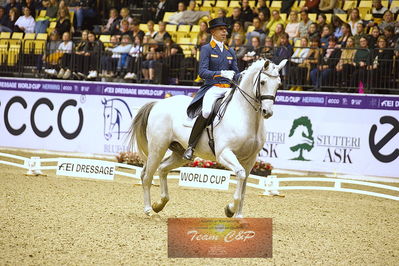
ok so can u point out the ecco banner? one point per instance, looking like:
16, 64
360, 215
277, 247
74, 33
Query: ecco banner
204, 178
95, 169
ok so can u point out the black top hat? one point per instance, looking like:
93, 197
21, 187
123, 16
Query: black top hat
217, 22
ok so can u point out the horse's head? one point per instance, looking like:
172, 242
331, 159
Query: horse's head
266, 80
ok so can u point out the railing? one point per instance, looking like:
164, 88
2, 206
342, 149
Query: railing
32, 58
270, 185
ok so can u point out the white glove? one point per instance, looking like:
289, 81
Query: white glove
228, 74
251, 53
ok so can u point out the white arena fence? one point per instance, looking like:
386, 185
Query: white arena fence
270, 185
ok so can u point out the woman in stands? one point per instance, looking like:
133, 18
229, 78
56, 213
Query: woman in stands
361, 62
297, 67
151, 58
313, 31
93, 50
253, 52
66, 48
388, 20
345, 67
382, 64
203, 37
112, 23
268, 50
79, 56
238, 30
292, 27
151, 31
336, 24
325, 34
161, 34
346, 33
109, 60
354, 19
321, 21
25, 23
373, 37
134, 59
49, 55
312, 60
63, 21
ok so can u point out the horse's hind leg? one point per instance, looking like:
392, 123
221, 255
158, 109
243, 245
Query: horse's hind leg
173, 161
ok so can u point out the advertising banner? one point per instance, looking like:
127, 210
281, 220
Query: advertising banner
337, 133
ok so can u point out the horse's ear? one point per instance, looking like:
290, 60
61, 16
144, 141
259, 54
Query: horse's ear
282, 64
266, 64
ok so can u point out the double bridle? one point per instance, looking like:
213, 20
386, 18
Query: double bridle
256, 102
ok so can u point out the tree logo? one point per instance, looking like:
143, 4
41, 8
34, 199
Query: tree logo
302, 126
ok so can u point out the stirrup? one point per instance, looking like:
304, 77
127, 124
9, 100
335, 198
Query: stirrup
188, 154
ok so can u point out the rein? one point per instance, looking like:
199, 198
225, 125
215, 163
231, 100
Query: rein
256, 101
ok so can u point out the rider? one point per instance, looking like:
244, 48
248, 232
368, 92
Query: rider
217, 66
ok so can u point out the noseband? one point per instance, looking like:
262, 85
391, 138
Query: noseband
257, 101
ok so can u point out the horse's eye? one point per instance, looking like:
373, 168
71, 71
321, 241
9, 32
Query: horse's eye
262, 82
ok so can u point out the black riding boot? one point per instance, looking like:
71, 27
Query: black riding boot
198, 128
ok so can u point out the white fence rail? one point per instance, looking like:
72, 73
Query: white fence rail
270, 185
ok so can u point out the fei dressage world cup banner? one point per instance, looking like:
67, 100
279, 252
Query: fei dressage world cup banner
337, 133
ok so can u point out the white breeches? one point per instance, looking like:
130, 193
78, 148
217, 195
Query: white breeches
210, 98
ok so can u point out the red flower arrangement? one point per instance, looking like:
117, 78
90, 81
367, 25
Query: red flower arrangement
260, 168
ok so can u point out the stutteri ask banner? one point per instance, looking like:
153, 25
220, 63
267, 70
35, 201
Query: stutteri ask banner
354, 134
353, 141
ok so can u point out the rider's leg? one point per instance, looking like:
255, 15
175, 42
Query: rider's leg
200, 124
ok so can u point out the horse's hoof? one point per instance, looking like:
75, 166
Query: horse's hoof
156, 207
228, 212
147, 211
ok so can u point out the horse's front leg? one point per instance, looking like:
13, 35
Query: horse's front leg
228, 158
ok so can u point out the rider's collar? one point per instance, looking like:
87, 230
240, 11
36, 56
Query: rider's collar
214, 42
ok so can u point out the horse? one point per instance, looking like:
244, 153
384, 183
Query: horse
239, 135
116, 116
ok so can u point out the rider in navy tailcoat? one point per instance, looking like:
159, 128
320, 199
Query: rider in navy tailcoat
217, 66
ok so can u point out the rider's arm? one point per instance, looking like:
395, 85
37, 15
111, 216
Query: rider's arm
205, 57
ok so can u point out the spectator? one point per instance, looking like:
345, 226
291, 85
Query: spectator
297, 68
25, 23
152, 57
322, 75
391, 37
51, 8
325, 35
236, 16
262, 8
321, 21
109, 59
125, 15
162, 7
65, 48
361, 61
286, 6
283, 49
85, 9
276, 19
378, 11
50, 55
328, 6
162, 34
336, 23
258, 32
247, 13
268, 50
312, 60
354, 19
13, 4
263, 20
176, 17
4, 21
63, 21
253, 52
203, 37
31, 5
125, 29
13, 16
382, 64
373, 37
292, 27
134, 59
277, 34
346, 33
123, 50
304, 24
112, 23
79, 57
388, 20
238, 30
190, 17
359, 33
92, 51
311, 6
239, 49
313, 31
136, 31
345, 67
151, 31
221, 13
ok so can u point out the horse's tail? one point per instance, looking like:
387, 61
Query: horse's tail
138, 130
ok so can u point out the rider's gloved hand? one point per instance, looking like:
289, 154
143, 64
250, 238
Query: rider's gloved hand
228, 74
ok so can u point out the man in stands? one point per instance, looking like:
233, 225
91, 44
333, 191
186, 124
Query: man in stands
218, 65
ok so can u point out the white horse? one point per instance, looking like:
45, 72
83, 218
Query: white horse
239, 136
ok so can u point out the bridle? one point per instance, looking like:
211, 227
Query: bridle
256, 102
